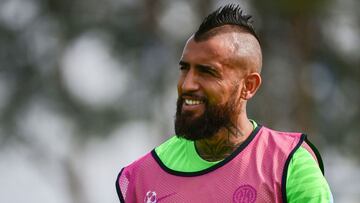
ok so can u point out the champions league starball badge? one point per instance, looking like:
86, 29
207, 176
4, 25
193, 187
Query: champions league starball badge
150, 197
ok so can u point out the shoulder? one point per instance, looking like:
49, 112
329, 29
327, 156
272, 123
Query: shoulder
305, 181
283, 142
281, 138
280, 134
169, 145
172, 150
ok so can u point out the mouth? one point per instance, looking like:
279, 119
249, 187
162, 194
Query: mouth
192, 102
193, 105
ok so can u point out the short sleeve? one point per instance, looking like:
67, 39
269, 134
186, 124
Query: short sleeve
305, 181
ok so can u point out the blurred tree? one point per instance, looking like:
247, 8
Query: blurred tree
311, 68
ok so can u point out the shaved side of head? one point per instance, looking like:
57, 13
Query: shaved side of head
243, 47
240, 36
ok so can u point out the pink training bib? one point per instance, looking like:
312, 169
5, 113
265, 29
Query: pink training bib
255, 172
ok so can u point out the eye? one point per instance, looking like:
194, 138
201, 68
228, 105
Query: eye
207, 71
183, 67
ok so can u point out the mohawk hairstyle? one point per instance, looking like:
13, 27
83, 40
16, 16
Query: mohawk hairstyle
230, 14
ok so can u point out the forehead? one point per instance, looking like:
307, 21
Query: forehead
213, 48
231, 48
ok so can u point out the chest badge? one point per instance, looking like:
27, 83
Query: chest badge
244, 194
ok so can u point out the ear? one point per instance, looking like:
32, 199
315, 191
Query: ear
252, 83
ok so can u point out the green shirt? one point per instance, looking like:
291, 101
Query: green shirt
305, 182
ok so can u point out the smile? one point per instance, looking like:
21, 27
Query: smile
193, 102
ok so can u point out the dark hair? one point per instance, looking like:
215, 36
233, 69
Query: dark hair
230, 14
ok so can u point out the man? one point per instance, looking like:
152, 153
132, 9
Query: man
218, 154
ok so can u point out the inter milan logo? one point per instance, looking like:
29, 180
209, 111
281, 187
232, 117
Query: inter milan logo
244, 194
150, 197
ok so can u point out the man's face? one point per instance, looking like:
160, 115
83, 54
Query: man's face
208, 88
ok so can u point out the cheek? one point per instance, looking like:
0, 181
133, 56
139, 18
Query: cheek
217, 92
179, 84
228, 92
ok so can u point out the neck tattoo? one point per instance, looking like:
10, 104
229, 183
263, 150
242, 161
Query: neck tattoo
221, 145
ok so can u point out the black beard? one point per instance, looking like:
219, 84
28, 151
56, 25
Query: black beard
207, 125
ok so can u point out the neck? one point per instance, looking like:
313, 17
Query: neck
226, 141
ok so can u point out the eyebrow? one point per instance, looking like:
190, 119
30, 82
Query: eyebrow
183, 63
201, 66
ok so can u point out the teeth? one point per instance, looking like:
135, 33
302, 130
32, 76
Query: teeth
192, 102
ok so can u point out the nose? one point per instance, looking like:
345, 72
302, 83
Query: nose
188, 82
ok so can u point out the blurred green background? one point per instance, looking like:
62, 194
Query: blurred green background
88, 86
